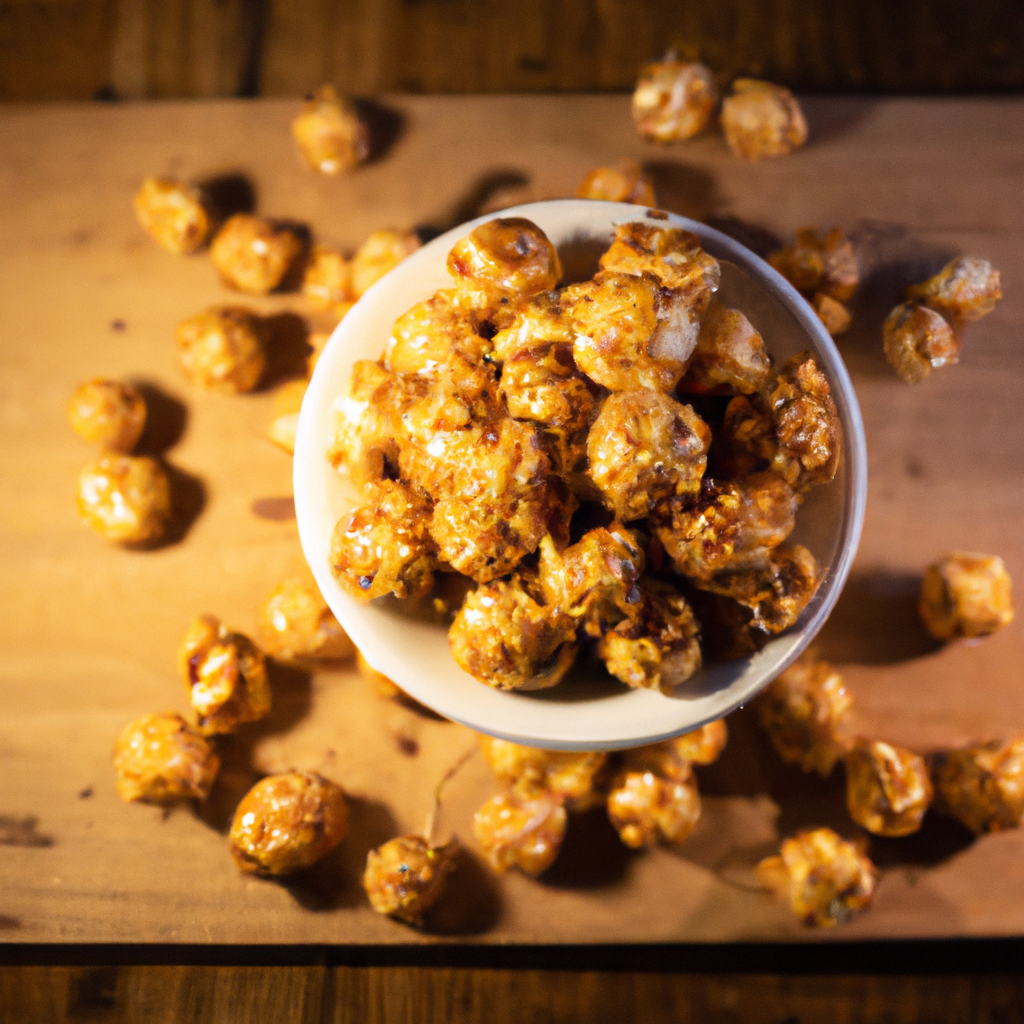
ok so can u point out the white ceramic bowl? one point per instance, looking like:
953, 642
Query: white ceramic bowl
579, 713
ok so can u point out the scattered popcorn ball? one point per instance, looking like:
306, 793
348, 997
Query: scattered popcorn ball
674, 99
295, 624
672, 758
288, 822
965, 289
380, 682
225, 676
887, 788
568, 775
109, 413
161, 758
834, 315
647, 809
329, 132
381, 252
221, 350
966, 595
819, 263
405, 877
327, 280
172, 213
125, 498
916, 339
287, 405
626, 183
762, 120
825, 879
252, 254
982, 786
522, 828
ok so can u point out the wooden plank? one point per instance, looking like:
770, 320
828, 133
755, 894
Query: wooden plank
89, 632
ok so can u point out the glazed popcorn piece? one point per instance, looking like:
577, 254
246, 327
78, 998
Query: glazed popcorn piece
288, 822
626, 183
522, 828
816, 263
674, 99
917, 340
287, 405
981, 786
295, 624
825, 879
966, 594
671, 759
161, 758
224, 674
329, 132
382, 251
172, 213
887, 788
965, 289
109, 413
730, 354
327, 279
647, 809
253, 255
762, 120
221, 350
125, 498
672, 255
834, 315
405, 877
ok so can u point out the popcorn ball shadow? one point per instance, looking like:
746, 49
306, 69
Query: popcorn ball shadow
166, 419
384, 124
592, 855
756, 238
876, 621
471, 902
285, 337
477, 200
835, 116
938, 840
292, 280
688, 191
188, 499
226, 194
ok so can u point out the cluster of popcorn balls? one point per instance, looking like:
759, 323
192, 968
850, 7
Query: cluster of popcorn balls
288, 822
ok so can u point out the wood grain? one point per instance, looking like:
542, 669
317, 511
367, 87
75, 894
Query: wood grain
89, 631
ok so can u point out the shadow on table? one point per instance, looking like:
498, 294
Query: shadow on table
478, 199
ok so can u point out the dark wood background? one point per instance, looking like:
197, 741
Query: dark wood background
138, 49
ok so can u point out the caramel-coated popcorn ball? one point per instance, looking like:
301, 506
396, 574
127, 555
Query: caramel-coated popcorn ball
966, 595
405, 877
917, 340
762, 120
125, 498
221, 350
982, 786
806, 713
674, 99
965, 289
288, 822
834, 315
381, 252
252, 254
672, 758
730, 354
819, 263
569, 775
626, 183
646, 808
224, 674
329, 132
887, 788
522, 828
108, 413
824, 878
327, 279
172, 213
285, 423
161, 758
295, 624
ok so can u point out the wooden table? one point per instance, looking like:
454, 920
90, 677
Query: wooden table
89, 631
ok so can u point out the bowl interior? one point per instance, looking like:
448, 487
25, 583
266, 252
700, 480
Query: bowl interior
587, 711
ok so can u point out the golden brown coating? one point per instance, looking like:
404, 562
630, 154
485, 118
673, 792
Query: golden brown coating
172, 213
761, 120
658, 647
288, 822
730, 354
109, 413
672, 758
645, 447
161, 758
673, 255
567, 774
522, 828
674, 99
383, 686
295, 624
822, 263
225, 676
647, 809
887, 788
504, 637
626, 183
825, 879
384, 546
125, 498
329, 132
982, 786
221, 350
594, 581
966, 595
327, 279
542, 384
917, 340
965, 289
405, 877
776, 591
731, 524
285, 422
806, 713
252, 254
382, 251
503, 260
431, 334
833, 314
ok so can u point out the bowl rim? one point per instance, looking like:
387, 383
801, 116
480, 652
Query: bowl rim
309, 447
